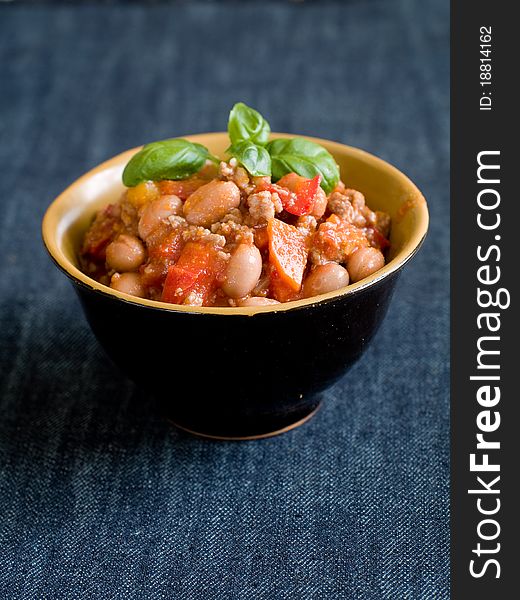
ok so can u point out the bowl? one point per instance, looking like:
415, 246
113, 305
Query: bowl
238, 373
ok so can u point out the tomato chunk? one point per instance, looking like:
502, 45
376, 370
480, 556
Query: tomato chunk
287, 253
261, 238
103, 230
167, 246
336, 239
296, 193
164, 248
376, 238
195, 274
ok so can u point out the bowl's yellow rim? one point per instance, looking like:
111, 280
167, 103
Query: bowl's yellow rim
51, 221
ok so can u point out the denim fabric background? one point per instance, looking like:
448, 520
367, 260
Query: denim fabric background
101, 499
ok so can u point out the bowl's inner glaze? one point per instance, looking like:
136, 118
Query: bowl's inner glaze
384, 187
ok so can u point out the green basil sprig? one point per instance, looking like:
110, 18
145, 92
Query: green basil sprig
253, 157
169, 159
247, 124
306, 158
249, 134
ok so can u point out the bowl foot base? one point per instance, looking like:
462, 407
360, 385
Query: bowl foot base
214, 435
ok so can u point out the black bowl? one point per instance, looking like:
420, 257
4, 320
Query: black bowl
239, 373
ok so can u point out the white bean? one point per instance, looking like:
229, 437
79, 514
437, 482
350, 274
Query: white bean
325, 278
258, 301
125, 253
363, 262
157, 211
243, 271
128, 283
212, 201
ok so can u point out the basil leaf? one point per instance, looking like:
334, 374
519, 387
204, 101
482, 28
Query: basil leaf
254, 158
306, 158
245, 123
169, 159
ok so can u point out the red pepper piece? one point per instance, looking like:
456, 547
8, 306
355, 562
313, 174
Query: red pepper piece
296, 193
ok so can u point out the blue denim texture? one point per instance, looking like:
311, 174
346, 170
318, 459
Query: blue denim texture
99, 498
